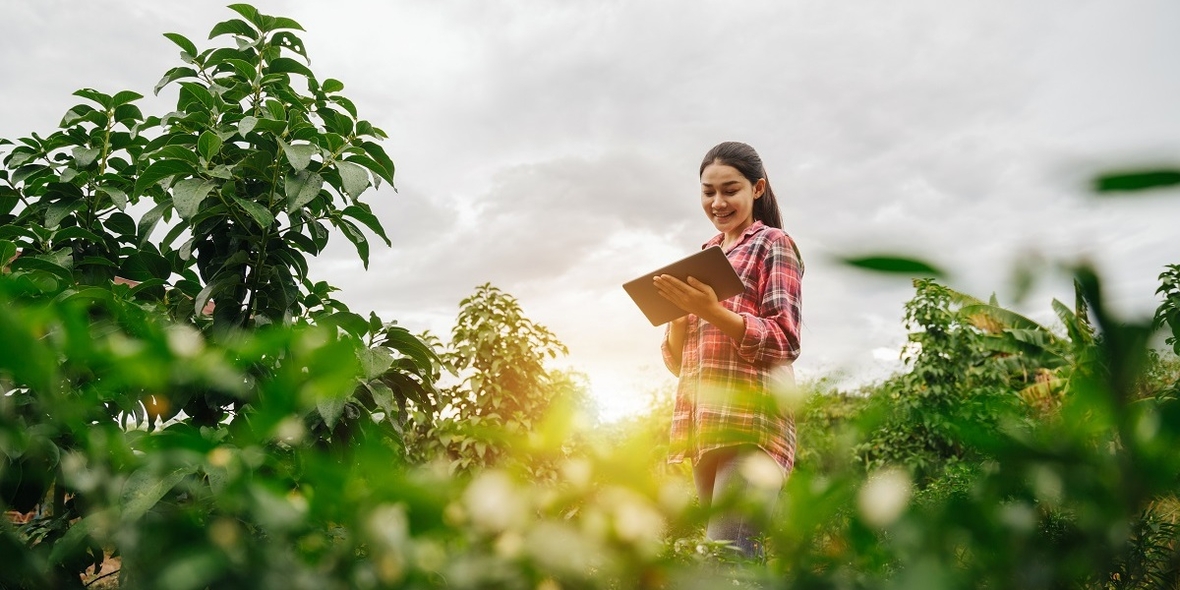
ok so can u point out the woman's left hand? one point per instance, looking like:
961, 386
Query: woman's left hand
694, 296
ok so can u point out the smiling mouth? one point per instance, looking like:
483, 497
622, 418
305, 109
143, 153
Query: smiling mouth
722, 215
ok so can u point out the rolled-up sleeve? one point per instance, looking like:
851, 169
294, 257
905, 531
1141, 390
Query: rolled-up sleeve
772, 336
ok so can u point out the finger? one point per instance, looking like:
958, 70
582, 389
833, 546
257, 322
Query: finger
671, 284
667, 291
671, 281
702, 287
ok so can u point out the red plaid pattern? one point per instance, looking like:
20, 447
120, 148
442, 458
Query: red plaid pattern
727, 390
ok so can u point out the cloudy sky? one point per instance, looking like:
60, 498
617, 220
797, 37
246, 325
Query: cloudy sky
551, 148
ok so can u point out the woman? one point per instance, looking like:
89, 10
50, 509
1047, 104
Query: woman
733, 356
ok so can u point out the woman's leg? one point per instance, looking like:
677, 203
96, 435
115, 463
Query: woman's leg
718, 475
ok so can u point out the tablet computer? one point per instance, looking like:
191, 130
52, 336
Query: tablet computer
709, 266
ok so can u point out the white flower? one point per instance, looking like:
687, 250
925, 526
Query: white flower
884, 497
494, 504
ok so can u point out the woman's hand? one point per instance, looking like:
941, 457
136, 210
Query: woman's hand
694, 296
700, 299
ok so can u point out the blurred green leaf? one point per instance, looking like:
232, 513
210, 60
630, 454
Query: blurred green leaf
1140, 180
895, 265
145, 488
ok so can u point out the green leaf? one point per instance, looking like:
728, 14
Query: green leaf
145, 489
1138, 180
276, 109
332, 85
346, 103
7, 252
242, 68
84, 156
894, 265
260, 214
354, 177
58, 212
73, 115
173, 75
209, 144
128, 114
95, 96
42, 264
74, 539
188, 194
249, 13
8, 200
1004, 317
362, 214
247, 124
383, 397
145, 264
400, 339
299, 155
347, 321
147, 223
374, 361
211, 290
377, 153
234, 26
288, 40
75, 232
288, 66
123, 97
120, 223
192, 92
285, 23
330, 409
183, 152
183, 42
358, 239
301, 188
160, 170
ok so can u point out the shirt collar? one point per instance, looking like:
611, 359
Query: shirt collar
749, 231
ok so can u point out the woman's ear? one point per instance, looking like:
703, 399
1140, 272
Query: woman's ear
760, 188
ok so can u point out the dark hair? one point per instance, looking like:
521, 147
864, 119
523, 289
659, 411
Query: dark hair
749, 164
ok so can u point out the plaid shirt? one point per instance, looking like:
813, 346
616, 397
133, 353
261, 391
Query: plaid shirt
728, 391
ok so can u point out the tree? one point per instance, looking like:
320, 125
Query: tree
953, 387
505, 391
230, 341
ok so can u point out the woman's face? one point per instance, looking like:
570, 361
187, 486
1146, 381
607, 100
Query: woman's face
728, 198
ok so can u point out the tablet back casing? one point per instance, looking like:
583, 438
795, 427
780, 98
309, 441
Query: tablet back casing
710, 266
